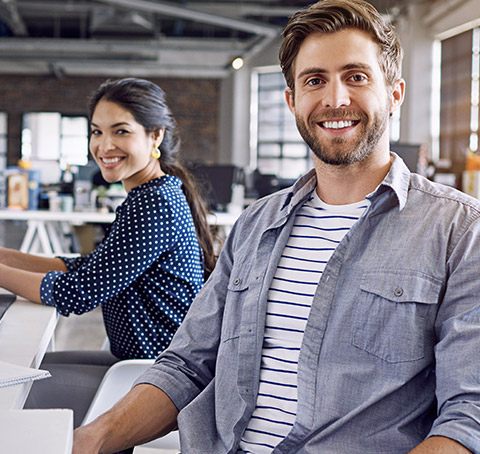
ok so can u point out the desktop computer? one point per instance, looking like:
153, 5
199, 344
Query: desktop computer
217, 183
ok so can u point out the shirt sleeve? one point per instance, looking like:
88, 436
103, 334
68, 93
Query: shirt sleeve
73, 263
144, 229
458, 346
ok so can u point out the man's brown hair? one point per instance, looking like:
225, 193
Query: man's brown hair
330, 16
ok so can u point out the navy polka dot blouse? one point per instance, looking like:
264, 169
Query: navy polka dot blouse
145, 273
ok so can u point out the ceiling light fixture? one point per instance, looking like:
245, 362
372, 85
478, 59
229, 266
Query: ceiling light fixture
237, 63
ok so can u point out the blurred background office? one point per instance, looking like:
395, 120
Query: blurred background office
218, 64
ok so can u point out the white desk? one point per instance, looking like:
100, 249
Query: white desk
223, 220
46, 229
36, 431
25, 332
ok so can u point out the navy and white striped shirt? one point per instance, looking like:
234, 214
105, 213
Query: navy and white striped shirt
317, 230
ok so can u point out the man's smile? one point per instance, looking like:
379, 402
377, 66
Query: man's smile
338, 124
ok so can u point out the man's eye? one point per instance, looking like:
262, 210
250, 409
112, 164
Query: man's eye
358, 78
313, 81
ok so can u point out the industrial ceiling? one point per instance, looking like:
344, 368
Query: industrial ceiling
189, 38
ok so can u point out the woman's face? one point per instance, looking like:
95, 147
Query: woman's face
121, 147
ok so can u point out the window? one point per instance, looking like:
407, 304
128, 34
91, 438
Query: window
459, 99
277, 147
73, 141
3, 158
55, 137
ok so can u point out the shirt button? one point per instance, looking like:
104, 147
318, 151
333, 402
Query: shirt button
398, 291
236, 281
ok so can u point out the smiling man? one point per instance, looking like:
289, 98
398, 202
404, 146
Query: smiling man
343, 314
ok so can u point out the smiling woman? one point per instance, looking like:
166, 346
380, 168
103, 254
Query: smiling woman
150, 265
118, 143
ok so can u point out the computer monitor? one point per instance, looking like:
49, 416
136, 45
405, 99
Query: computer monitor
408, 152
217, 182
266, 184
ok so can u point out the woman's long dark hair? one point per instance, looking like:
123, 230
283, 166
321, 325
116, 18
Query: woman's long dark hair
146, 102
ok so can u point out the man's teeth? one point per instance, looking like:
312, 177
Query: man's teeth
337, 124
110, 160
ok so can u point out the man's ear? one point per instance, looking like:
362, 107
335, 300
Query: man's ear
397, 95
290, 98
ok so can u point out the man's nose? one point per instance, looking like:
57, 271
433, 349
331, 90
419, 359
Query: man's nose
336, 95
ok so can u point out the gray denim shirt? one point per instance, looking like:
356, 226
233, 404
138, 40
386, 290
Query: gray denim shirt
391, 351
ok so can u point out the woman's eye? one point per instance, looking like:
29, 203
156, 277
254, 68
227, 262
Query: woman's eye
121, 131
95, 132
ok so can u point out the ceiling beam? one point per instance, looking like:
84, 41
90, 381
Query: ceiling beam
10, 15
195, 15
166, 57
135, 47
111, 69
241, 9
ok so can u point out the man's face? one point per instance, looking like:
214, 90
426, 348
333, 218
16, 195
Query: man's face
341, 101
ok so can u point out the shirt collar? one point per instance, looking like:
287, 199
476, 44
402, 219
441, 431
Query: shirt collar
302, 188
397, 179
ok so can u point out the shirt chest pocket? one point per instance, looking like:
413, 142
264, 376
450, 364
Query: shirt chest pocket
394, 314
237, 290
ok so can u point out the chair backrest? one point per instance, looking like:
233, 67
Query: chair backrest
117, 382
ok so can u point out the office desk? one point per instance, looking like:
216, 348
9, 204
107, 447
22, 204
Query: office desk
46, 230
25, 332
223, 220
36, 431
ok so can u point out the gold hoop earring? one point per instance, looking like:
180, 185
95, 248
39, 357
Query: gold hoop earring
155, 153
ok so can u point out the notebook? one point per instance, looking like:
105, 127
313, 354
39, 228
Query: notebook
6, 299
12, 374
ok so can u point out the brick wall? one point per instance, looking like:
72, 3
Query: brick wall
194, 103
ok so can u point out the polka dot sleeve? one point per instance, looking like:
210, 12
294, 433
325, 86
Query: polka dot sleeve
46, 288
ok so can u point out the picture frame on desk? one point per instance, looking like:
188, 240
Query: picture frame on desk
17, 191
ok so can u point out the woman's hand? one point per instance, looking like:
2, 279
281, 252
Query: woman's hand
4, 252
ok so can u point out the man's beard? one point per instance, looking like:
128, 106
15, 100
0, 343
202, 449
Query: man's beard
335, 152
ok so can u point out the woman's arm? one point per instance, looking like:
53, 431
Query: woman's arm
21, 282
137, 238
29, 262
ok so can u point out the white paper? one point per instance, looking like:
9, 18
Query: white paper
12, 374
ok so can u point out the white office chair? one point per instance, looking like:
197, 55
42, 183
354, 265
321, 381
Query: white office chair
117, 382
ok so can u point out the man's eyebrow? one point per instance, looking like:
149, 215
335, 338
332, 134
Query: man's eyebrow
347, 67
308, 71
363, 66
